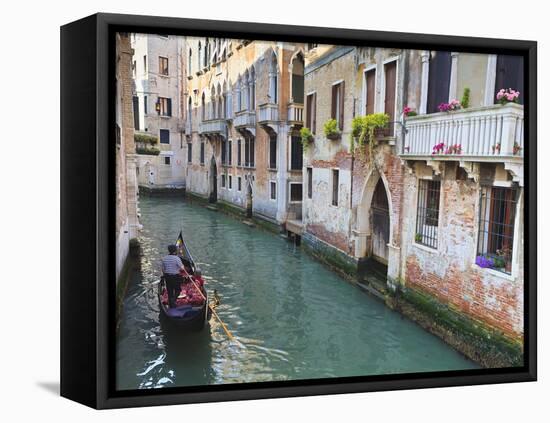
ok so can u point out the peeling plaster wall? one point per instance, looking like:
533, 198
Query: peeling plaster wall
449, 273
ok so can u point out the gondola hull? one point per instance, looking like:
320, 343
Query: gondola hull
185, 317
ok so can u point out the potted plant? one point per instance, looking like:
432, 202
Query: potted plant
516, 149
307, 137
438, 148
418, 237
496, 148
452, 106
507, 95
465, 101
331, 130
365, 129
409, 112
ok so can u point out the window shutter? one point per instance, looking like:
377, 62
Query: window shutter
309, 101
333, 105
341, 117
169, 106
314, 113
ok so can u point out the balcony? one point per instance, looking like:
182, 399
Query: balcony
245, 120
213, 127
491, 133
268, 113
470, 136
296, 114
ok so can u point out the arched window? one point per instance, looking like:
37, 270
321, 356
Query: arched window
244, 92
206, 52
297, 83
273, 82
252, 88
238, 94
219, 112
203, 106
212, 103
199, 56
224, 101
189, 111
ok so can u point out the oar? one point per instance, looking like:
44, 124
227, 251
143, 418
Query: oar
229, 335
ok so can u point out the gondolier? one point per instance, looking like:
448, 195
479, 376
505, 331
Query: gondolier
171, 268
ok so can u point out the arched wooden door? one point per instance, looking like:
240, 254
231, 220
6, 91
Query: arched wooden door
380, 218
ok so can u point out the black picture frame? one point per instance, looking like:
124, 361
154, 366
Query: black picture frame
87, 211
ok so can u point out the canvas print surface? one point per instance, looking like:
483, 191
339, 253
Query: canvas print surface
290, 211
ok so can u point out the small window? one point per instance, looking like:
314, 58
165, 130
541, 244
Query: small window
202, 153
297, 153
224, 152
335, 186
496, 228
249, 152
295, 192
273, 152
309, 182
163, 65
273, 190
230, 180
311, 111
238, 152
135, 104
145, 104
229, 152
189, 152
239, 183
167, 160
337, 104
223, 181
370, 87
427, 213
164, 136
164, 106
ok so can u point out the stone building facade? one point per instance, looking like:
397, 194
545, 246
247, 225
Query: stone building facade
353, 193
157, 72
127, 223
463, 205
244, 106
437, 202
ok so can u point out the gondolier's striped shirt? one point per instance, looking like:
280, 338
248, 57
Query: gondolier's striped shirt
171, 264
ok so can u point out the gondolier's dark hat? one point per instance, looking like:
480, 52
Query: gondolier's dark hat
172, 248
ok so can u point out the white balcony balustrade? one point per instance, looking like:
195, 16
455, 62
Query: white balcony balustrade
213, 126
267, 113
245, 119
483, 133
296, 113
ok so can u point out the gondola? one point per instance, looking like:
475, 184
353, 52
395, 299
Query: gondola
191, 311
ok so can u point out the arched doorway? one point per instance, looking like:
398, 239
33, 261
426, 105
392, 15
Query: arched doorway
380, 223
373, 229
213, 196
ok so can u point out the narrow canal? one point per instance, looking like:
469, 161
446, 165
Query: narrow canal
293, 317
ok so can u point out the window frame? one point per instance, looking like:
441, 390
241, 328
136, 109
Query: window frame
335, 199
164, 131
433, 237
163, 60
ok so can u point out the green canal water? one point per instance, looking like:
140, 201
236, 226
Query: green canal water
293, 317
